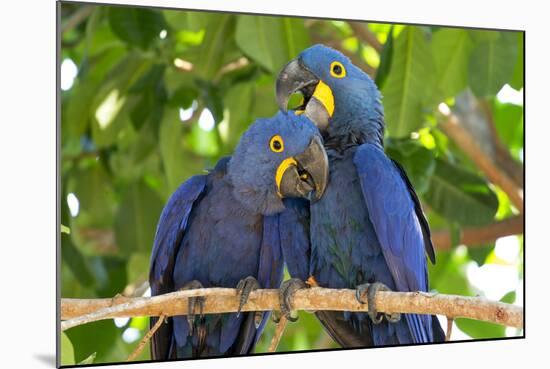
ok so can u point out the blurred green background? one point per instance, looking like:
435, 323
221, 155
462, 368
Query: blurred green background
151, 97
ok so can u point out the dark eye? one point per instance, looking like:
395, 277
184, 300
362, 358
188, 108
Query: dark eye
276, 143
337, 70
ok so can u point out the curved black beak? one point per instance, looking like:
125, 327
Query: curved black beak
294, 78
318, 102
306, 174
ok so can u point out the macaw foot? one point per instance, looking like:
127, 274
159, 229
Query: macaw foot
371, 289
286, 291
193, 302
244, 287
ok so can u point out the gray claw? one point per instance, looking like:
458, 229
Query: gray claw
245, 286
192, 303
286, 291
371, 290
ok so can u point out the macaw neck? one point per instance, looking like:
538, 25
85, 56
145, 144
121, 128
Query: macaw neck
347, 130
256, 197
358, 117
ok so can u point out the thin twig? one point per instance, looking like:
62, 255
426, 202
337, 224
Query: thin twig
363, 33
502, 156
479, 236
279, 330
146, 338
454, 130
449, 328
75, 312
77, 17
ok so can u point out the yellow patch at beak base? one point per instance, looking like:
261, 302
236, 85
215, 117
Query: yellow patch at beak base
323, 93
281, 169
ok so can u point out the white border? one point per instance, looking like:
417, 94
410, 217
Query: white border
27, 193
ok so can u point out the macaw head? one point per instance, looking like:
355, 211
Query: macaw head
338, 97
276, 158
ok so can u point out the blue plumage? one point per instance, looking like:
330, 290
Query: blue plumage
369, 226
220, 228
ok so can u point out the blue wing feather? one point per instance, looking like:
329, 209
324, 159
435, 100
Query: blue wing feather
170, 230
270, 275
295, 241
397, 226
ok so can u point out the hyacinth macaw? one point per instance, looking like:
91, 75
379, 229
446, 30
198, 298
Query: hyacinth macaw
368, 232
221, 230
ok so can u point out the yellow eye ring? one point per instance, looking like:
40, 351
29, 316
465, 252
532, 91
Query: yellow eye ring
337, 70
276, 144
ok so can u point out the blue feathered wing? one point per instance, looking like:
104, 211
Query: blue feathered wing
400, 227
170, 230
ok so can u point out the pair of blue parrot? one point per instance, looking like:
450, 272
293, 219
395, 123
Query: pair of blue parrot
359, 226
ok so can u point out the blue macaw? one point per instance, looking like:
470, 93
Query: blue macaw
368, 232
221, 229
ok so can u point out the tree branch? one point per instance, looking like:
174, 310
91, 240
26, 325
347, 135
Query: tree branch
77, 17
454, 130
362, 32
479, 235
76, 312
502, 157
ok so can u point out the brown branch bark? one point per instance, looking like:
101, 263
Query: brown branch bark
479, 235
146, 339
75, 312
363, 33
454, 130
77, 17
502, 158
279, 330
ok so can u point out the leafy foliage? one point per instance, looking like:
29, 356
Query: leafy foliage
161, 95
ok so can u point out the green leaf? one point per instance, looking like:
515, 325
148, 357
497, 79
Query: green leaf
183, 97
110, 274
508, 120
460, 195
78, 110
65, 229
385, 60
138, 266
492, 64
418, 162
77, 263
238, 101
179, 164
67, 350
448, 275
480, 329
110, 111
271, 41
152, 97
409, 82
479, 254
211, 53
93, 188
451, 48
89, 360
189, 20
264, 92
509, 298
480, 35
136, 26
98, 337
517, 78
137, 218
